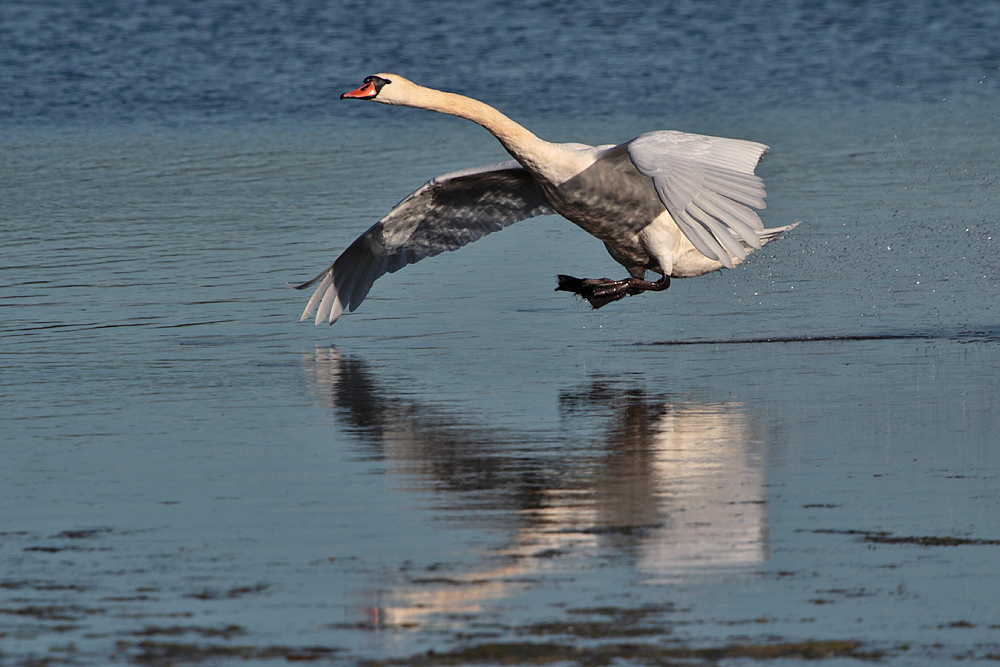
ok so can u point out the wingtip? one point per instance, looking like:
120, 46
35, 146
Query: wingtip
335, 314
331, 307
315, 299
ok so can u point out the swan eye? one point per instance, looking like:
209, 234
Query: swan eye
377, 81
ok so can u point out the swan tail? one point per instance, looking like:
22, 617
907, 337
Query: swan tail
773, 233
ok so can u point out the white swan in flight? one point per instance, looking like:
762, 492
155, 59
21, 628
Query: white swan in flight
674, 203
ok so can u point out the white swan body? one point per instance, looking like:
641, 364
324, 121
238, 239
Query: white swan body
677, 204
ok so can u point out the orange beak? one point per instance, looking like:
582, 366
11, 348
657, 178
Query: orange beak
365, 92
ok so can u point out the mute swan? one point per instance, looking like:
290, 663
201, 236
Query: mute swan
673, 203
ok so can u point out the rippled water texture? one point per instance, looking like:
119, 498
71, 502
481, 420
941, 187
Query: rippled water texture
793, 459
169, 61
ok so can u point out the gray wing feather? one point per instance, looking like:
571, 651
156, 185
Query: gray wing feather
708, 186
447, 213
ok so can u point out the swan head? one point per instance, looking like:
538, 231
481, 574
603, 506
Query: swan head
385, 88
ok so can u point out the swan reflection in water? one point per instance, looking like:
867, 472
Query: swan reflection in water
675, 487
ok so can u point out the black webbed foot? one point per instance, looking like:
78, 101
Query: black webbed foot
602, 291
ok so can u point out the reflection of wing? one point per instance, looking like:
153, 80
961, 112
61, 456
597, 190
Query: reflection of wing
704, 456
445, 214
708, 186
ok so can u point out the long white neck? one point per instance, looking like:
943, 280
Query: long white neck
534, 154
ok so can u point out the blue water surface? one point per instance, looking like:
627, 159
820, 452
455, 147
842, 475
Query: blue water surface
171, 62
797, 453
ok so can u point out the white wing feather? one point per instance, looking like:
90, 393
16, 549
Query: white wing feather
708, 186
448, 212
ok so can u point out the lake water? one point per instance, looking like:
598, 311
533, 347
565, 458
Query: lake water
792, 459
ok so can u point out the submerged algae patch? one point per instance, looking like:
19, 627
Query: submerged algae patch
170, 653
884, 537
591, 629
226, 632
530, 653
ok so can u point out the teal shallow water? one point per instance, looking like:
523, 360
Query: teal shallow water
801, 450
472, 457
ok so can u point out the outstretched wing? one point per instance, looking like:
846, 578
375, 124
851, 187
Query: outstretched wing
445, 214
708, 186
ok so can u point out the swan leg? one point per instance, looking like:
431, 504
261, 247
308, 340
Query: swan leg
602, 291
